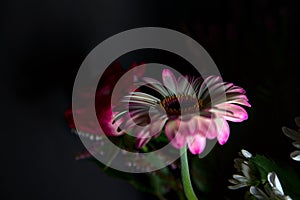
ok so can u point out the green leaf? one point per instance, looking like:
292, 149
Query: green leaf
289, 179
263, 165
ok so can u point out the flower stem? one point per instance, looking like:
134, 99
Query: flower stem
185, 174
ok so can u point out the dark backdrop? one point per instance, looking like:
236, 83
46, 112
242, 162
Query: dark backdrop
255, 44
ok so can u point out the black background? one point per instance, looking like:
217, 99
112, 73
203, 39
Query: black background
255, 44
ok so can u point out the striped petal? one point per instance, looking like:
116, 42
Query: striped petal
231, 112
156, 85
206, 86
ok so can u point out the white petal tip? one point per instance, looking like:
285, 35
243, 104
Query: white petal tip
246, 153
295, 155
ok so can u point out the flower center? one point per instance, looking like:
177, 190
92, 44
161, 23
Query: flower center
174, 105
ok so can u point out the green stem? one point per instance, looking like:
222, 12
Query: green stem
185, 174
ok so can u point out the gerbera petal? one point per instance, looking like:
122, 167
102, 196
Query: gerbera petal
212, 131
151, 130
193, 88
206, 86
233, 96
156, 124
177, 139
169, 81
236, 89
143, 97
189, 127
109, 124
206, 127
228, 86
183, 85
155, 85
143, 136
196, 143
196, 83
223, 130
232, 112
141, 141
129, 122
240, 102
230, 98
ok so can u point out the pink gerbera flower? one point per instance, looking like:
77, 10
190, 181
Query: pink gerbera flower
184, 110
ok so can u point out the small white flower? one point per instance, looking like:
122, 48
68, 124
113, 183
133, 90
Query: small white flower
244, 178
295, 135
246, 153
273, 189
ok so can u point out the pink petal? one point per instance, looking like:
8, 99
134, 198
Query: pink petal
207, 84
155, 85
232, 112
223, 130
240, 102
140, 142
107, 125
156, 126
169, 80
143, 137
231, 98
207, 127
236, 89
189, 127
234, 96
183, 85
228, 86
196, 143
153, 129
177, 139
